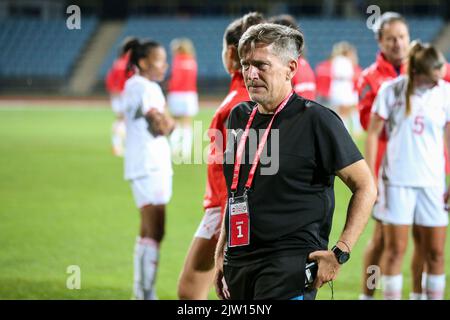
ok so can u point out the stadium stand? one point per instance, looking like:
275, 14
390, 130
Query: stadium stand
320, 35
39, 48
206, 34
34, 47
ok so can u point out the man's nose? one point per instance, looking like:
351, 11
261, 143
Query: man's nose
253, 72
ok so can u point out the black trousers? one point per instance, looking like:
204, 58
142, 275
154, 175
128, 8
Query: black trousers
277, 278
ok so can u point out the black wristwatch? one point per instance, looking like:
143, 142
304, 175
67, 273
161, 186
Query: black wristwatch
341, 256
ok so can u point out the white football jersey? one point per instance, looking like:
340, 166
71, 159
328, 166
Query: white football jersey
342, 88
415, 149
144, 153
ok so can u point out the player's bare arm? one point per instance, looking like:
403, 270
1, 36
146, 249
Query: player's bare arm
358, 179
375, 127
221, 290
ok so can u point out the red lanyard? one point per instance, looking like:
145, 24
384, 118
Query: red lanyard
241, 146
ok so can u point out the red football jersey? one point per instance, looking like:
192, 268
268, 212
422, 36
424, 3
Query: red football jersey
447, 75
304, 81
323, 78
118, 74
368, 85
216, 188
184, 74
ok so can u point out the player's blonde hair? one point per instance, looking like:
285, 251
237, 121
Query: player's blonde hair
182, 46
346, 49
422, 59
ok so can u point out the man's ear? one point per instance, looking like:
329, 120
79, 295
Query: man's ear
293, 67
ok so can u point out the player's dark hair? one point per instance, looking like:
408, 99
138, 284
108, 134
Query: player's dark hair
141, 50
422, 59
127, 44
285, 20
236, 29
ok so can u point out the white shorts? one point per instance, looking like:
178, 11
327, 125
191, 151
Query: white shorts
210, 224
154, 189
183, 104
422, 206
117, 104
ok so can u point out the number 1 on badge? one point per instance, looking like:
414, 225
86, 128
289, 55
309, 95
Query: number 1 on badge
239, 222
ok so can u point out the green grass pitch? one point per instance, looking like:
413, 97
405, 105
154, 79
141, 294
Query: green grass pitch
63, 201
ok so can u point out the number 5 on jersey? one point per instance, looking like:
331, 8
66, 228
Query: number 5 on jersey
239, 222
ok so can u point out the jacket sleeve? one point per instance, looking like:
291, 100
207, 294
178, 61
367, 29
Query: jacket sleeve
366, 98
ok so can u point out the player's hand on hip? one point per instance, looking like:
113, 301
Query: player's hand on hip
328, 267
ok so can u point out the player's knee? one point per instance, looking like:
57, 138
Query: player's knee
374, 248
435, 257
395, 252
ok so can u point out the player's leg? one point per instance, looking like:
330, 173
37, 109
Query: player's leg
418, 269
398, 216
118, 129
395, 244
344, 113
433, 244
176, 140
147, 250
187, 138
190, 110
151, 194
372, 258
433, 221
198, 271
374, 249
435, 258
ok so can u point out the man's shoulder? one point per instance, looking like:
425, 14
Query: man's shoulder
312, 108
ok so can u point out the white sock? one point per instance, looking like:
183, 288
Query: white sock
435, 286
415, 296
424, 286
176, 140
363, 296
187, 143
392, 287
146, 256
356, 125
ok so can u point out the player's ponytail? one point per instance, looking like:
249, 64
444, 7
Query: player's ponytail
127, 44
140, 50
422, 59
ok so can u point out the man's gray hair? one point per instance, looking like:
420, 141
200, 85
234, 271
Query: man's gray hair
287, 43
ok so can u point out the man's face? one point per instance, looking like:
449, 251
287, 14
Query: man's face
394, 41
266, 75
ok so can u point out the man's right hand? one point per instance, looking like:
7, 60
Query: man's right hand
219, 282
328, 267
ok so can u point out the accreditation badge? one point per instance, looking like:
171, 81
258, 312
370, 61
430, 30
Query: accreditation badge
239, 222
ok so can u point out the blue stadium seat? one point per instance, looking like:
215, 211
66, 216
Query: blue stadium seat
34, 47
206, 33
